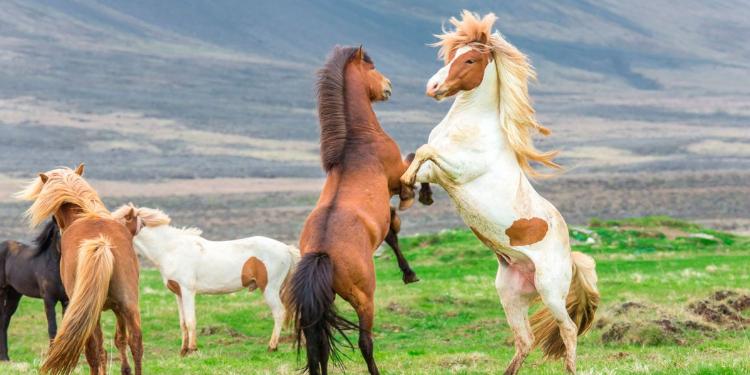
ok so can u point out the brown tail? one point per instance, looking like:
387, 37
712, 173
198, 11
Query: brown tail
583, 299
93, 273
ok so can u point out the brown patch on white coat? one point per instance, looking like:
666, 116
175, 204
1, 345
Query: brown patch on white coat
174, 287
254, 274
525, 232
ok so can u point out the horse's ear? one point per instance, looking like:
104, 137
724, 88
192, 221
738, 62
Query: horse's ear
360, 54
130, 215
44, 178
484, 37
79, 169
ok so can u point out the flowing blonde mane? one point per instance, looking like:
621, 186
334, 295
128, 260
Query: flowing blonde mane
63, 186
514, 71
151, 217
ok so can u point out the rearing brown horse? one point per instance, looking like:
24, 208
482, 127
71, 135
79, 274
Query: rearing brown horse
353, 214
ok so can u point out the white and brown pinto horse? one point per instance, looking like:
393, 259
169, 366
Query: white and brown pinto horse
480, 153
190, 265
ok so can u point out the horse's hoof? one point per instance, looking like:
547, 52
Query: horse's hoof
126, 371
187, 351
410, 278
270, 349
4, 359
425, 199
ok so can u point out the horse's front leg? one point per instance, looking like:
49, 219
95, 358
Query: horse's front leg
408, 275
9, 299
409, 178
458, 168
407, 189
49, 309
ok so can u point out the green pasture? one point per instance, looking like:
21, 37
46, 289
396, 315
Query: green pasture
451, 322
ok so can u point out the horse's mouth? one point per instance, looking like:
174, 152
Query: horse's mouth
440, 95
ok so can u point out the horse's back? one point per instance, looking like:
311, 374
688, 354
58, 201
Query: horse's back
91, 228
17, 268
123, 284
274, 253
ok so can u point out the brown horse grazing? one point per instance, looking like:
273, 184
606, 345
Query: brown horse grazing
353, 214
92, 243
32, 271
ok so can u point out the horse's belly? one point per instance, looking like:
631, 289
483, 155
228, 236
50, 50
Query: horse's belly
488, 217
216, 277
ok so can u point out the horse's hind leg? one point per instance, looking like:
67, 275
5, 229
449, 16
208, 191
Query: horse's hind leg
279, 312
365, 307
554, 292
121, 342
392, 240
135, 338
95, 354
9, 299
516, 295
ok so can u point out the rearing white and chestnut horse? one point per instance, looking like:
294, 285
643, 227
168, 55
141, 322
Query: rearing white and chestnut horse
480, 153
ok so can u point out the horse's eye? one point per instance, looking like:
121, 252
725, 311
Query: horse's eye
469, 61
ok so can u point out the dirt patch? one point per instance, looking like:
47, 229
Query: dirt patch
463, 362
724, 308
218, 330
640, 323
397, 308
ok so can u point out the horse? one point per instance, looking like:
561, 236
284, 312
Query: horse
190, 265
480, 153
352, 216
32, 271
92, 243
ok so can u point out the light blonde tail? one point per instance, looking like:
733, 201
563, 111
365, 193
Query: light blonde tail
93, 273
583, 299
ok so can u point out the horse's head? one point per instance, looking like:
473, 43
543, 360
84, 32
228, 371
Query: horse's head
128, 216
64, 193
467, 52
463, 73
378, 86
136, 218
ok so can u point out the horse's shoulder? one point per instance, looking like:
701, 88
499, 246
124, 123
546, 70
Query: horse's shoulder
13, 247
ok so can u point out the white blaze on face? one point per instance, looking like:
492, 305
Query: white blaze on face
438, 79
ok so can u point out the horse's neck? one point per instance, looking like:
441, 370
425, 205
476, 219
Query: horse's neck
484, 99
152, 242
361, 123
67, 214
481, 106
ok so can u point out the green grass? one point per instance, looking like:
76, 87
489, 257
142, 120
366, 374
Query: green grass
451, 321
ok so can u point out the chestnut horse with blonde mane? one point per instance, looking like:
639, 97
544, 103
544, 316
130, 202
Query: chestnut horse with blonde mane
99, 271
480, 153
352, 216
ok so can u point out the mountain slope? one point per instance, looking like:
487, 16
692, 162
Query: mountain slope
242, 73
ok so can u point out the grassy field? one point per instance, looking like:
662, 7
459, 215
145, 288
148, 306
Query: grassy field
660, 312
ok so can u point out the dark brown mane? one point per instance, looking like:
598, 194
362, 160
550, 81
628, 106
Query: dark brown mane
332, 106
